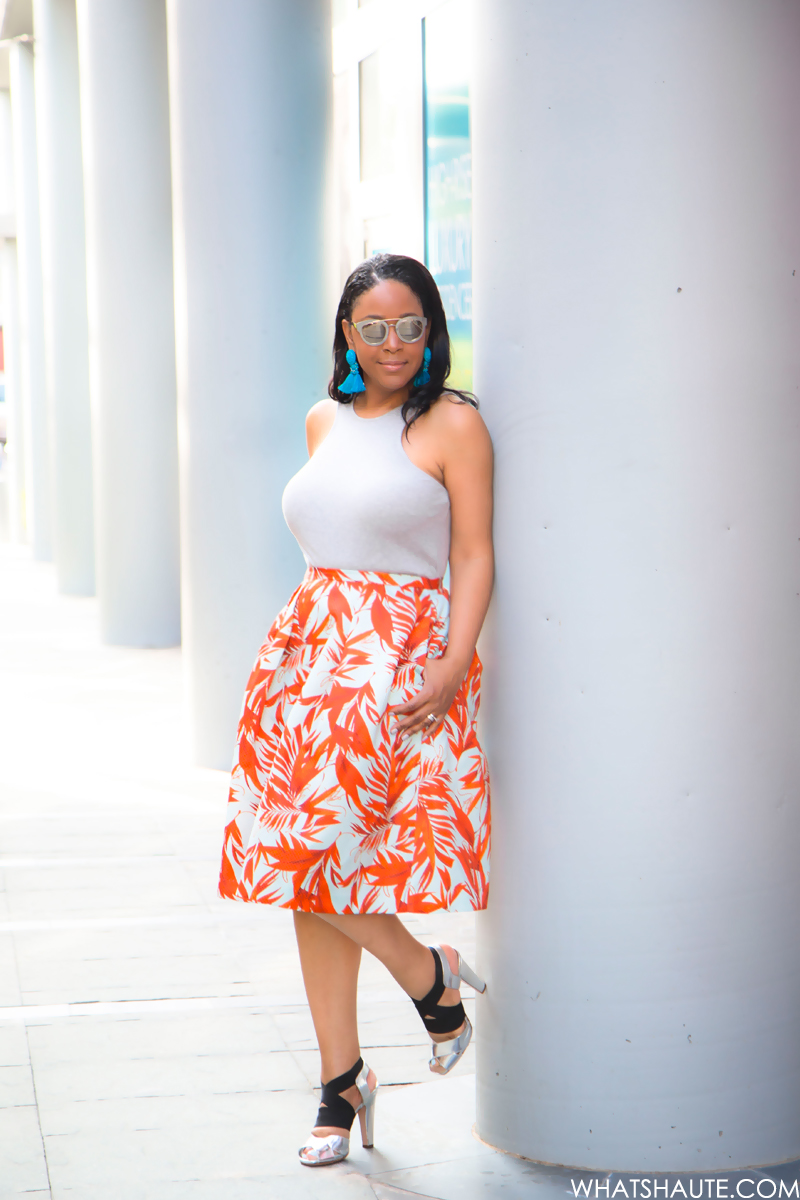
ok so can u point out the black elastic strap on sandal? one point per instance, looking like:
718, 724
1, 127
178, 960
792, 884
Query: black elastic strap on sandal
334, 1110
439, 1018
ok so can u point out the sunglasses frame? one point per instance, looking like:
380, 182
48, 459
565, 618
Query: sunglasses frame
380, 321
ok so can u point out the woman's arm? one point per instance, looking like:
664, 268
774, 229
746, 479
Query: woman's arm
466, 459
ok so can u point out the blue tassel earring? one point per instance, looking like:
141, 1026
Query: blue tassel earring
354, 383
423, 376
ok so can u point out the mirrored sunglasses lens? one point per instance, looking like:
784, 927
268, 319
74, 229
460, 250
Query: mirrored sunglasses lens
374, 332
410, 329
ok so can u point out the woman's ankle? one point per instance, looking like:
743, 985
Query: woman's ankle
421, 976
352, 1096
334, 1064
450, 996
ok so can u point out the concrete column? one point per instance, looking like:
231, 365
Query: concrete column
64, 273
637, 283
125, 118
15, 444
9, 299
36, 436
249, 105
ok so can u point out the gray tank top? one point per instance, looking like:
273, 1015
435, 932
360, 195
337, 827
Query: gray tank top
359, 503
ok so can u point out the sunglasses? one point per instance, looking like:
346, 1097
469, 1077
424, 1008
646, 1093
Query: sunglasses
375, 333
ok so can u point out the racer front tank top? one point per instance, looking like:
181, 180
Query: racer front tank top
361, 504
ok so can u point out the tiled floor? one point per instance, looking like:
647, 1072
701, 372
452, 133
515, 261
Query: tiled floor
154, 1041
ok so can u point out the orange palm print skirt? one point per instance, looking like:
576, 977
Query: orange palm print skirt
331, 808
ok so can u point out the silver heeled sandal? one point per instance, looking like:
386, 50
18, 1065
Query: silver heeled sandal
335, 1110
443, 1019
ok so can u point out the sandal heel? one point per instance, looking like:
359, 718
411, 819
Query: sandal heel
366, 1116
469, 976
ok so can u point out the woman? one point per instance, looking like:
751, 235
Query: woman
359, 789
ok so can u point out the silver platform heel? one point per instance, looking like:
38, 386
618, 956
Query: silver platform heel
443, 1019
335, 1110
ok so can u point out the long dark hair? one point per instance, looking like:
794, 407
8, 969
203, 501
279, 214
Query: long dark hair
419, 279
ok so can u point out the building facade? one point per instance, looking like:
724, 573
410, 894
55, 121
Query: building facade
402, 146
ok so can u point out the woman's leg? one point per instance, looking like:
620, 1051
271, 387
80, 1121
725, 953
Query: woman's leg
330, 961
330, 954
409, 961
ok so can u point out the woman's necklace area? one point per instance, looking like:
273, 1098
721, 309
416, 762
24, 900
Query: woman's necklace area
368, 412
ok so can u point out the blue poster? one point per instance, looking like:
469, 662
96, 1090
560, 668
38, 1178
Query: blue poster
448, 175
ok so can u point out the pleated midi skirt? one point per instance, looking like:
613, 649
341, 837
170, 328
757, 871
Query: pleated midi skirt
331, 807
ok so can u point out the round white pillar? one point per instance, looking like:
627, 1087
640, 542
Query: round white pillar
249, 106
15, 444
125, 122
637, 285
64, 273
9, 298
33, 393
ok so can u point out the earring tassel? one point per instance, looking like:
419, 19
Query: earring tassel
353, 383
424, 376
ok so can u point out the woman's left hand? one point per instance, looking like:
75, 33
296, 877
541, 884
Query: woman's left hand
425, 712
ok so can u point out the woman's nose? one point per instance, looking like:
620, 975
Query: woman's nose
393, 341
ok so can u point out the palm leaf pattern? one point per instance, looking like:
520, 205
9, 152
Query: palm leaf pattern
330, 808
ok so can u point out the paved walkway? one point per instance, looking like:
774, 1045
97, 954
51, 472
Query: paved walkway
154, 1039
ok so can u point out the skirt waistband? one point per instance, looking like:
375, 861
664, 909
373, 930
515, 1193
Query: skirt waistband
348, 575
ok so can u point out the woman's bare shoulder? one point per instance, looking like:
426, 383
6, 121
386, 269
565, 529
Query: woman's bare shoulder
319, 419
459, 420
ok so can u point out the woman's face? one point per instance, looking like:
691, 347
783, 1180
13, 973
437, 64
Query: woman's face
393, 364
